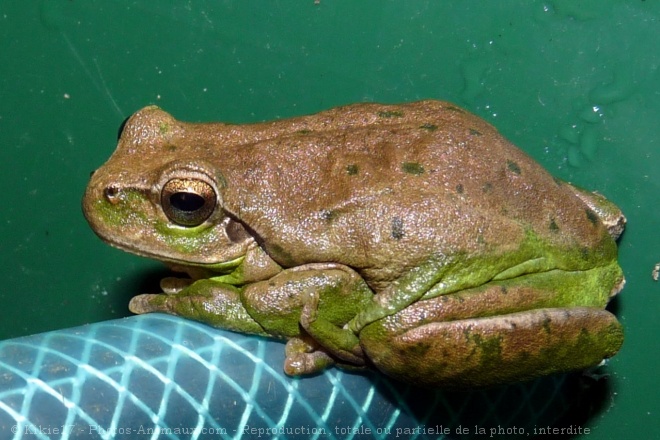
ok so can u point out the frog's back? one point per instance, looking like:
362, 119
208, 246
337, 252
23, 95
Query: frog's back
384, 188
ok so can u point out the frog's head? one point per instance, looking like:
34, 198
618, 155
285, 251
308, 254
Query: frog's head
149, 201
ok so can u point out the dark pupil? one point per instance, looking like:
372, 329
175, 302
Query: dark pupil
187, 202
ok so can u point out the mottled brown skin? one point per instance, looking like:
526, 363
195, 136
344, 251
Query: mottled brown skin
417, 204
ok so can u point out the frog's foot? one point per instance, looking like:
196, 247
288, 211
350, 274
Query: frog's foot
607, 212
312, 302
595, 373
208, 301
341, 342
303, 358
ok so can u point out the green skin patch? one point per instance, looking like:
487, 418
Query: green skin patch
184, 240
117, 215
442, 275
130, 209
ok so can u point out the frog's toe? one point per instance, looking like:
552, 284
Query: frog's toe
303, 359
609, 213
148, 303
174, 284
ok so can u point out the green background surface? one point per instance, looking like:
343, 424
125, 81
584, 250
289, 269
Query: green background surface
574, 83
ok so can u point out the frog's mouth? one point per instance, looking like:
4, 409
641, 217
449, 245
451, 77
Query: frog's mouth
227, 272
180, 258
194, 270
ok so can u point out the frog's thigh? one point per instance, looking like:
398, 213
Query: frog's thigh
493, 350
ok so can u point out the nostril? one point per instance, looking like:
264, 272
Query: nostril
112, 194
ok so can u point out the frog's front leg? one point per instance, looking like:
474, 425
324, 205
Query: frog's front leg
308, 305
208, 301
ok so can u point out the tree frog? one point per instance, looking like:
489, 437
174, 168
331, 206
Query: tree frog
413, 239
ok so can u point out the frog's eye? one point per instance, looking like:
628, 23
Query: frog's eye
188, 202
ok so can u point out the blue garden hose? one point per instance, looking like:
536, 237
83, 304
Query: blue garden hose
161, 377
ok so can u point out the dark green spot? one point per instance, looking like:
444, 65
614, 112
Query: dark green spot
525, 357
352, 169
558, 181
488, 187
481, 239
593, 218
397, 228
390, 114
474, 132
585, 252
513, 167
454, 109
281, 255
553, 225
171, 148
547, 325
412, 168
328, 215
163, 128
585, 338
418, 350
429, 127
490, 347
459, 188
304, 131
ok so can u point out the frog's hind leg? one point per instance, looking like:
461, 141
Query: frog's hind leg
503, 331
481, 352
